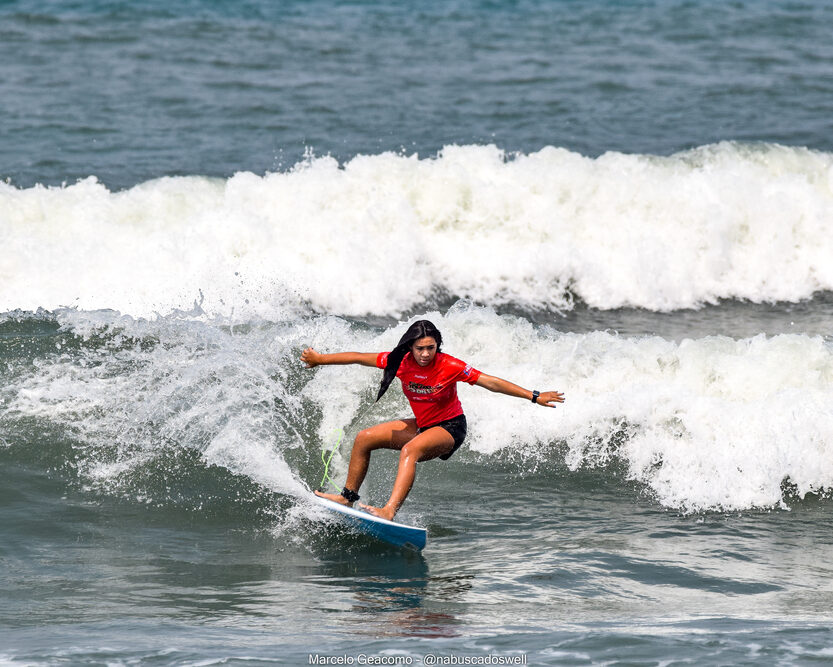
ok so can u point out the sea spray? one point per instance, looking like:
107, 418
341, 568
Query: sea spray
703, 424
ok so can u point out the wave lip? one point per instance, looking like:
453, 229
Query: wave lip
383, 233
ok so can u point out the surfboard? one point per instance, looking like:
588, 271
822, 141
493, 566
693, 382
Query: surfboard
400, 534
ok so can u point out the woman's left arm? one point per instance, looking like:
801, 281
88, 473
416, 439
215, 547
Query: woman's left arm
492, 383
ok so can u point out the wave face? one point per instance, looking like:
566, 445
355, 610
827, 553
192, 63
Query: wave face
143, 406
384, 233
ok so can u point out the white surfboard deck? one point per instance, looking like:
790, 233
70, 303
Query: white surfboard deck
400, 534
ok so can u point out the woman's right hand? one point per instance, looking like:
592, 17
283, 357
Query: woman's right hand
310, 357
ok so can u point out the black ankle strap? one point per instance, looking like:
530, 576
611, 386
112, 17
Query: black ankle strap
349, 496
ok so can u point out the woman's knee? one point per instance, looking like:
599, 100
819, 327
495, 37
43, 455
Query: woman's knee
369, 438
419, 451
410, 451
362, 439
425, 449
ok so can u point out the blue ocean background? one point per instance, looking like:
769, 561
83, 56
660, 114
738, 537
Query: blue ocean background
629, 202
128, 92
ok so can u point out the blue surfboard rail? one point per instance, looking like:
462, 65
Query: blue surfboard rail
400, 534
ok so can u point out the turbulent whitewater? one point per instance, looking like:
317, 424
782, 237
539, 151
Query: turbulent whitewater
382, 234
709, 424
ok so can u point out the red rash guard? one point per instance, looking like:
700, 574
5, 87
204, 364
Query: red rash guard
432, 390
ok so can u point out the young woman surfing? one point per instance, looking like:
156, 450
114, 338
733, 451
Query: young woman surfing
429, 381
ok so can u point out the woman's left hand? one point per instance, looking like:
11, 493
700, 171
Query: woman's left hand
550, 398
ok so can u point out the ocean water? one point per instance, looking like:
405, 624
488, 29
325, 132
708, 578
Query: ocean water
628, 202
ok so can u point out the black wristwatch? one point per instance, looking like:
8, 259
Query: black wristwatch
535, 395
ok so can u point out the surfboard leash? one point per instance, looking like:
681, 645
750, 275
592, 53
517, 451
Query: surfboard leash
339, 435
339, 432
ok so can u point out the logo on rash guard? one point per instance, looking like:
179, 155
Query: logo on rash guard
418, 388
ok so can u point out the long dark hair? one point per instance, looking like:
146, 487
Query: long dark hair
419, 329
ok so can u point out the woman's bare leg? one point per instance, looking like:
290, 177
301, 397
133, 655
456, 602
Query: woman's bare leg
390, 435
427, 445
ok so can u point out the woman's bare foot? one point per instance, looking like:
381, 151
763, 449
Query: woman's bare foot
382, 512
335, 497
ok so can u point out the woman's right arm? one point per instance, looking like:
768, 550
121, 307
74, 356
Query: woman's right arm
312, 358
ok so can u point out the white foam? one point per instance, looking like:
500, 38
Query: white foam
382, 233
708, 424
145, 387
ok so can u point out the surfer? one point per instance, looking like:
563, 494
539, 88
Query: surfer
429, 381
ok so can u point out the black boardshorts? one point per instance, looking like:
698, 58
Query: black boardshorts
456, 427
